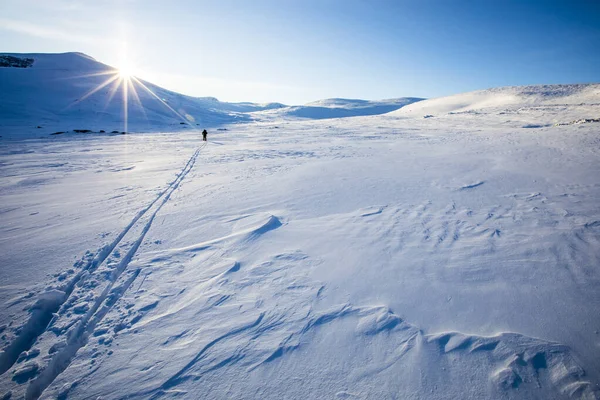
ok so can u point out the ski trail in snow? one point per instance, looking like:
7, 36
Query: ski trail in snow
43, 312
44, 317
109, 296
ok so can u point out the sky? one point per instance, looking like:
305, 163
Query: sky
294, 51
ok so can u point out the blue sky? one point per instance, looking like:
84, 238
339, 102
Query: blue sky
295, 51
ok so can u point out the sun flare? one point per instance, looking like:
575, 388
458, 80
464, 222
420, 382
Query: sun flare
126, 71
122, 79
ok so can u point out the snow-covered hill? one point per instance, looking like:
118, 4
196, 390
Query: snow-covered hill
62, 92
338, 108
511, 97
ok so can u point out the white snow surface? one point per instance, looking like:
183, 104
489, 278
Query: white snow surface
388, 256
513, 97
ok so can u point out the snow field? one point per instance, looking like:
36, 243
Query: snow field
388, 256
281, 249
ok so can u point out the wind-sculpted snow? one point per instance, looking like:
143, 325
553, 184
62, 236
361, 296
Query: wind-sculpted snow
196, 320
383, 257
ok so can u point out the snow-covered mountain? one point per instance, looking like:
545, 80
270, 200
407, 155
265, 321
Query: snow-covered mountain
64, 92
339, 108
61, 92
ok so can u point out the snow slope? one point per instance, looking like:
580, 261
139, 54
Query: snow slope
375, 257
505, 98
338, 108
62, 92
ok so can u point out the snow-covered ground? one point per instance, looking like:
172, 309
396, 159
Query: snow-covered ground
389, 256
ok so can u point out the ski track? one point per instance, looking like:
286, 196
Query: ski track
273, 334
287, 319
52, 304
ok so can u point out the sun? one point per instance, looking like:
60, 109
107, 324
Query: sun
126, 70
123, 78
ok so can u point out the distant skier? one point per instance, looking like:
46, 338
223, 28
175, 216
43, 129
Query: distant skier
204, 133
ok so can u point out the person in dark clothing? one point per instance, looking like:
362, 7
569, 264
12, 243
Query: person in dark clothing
204, 133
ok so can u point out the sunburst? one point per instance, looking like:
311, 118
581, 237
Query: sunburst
124, 79
126, 70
